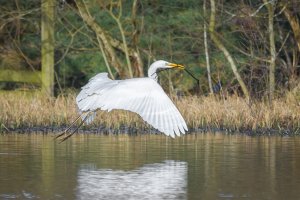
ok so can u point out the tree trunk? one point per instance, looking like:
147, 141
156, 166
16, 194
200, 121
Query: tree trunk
136, 58
219, 44
47, 37
293, 21
206, 50
270, 7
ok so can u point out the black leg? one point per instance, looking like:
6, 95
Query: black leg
76, 128
65, 131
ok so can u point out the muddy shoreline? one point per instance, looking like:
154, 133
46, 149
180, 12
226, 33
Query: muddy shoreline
131, 130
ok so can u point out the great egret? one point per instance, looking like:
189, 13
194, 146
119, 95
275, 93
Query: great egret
143, 96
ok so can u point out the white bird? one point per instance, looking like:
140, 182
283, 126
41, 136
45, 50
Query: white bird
143, 96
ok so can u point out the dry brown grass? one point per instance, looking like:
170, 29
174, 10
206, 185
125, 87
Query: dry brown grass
232, 113
23, 111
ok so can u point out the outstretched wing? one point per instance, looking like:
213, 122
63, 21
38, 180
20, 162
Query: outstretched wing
143, 96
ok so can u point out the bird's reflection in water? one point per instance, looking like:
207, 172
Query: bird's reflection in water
167, 180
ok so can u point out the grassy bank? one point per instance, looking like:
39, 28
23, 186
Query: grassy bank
232, 113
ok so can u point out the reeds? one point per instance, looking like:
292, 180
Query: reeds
235, 114
206, 113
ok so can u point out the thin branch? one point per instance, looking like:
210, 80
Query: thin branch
283, 43
118, 21
260, 7
105, 58
69, 45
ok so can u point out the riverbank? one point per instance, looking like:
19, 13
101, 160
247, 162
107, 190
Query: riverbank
43, 114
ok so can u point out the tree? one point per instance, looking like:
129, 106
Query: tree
111, 44
47, 34
220, 45
270, 6
206, 50
292, 19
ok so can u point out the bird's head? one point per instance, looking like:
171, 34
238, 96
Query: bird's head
161, 64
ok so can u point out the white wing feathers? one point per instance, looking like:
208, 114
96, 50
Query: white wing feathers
143, 96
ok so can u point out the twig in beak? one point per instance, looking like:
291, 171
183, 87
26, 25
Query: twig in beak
198, 82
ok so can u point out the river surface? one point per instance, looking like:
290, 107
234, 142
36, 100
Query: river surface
200, 166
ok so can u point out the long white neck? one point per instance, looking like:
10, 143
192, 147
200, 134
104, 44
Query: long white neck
152, 71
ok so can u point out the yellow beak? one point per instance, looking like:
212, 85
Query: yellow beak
173, 65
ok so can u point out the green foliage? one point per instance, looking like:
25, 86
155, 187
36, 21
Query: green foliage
77, 69
170, 30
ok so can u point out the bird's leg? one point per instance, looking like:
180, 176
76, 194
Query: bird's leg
66, 137
69, 135
65, 131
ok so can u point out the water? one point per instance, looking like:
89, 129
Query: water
202, 166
